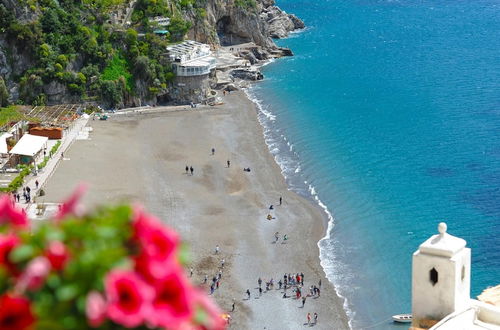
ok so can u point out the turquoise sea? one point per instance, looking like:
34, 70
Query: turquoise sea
389, 116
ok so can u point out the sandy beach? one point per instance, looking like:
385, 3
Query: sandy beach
142, 158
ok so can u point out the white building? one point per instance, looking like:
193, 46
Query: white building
191, 58
160, 21
441, 287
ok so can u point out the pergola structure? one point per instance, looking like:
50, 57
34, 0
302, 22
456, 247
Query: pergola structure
58, 115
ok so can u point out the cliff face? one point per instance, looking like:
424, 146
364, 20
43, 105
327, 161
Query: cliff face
227, 23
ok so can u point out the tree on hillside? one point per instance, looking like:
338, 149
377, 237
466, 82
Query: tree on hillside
4, 94
100, 8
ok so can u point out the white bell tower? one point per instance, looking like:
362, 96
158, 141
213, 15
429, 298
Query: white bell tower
440, 277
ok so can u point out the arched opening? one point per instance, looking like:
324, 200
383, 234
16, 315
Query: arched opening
433, 276
225, 36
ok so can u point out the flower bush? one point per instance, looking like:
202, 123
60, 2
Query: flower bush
118, 267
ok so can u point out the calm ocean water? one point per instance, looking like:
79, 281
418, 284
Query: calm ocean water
390, 114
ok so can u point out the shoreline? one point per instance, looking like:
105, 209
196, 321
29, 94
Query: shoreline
237, 203
306, 191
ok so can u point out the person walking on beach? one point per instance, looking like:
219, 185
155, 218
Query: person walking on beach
276, 237
319, 284
248, 293
259, 281
205, 279
191, 169
222, 263
315, 317
308, 318
233, 305
303, 301
217, 249
260, 291
228, 163
281, 200
213, 151
187, 169
190, 272
36, 184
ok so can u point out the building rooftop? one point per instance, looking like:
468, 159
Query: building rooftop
477, 317
491, 296
188, 50
442, 244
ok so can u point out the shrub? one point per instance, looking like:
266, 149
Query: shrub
4, 93
116, 68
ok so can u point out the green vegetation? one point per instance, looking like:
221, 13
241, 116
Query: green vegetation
72, 46
10, 113
18, 181
247, 4
117, 68
4, 94
55, 147
46, 158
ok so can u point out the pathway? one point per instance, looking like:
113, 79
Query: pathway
44, 174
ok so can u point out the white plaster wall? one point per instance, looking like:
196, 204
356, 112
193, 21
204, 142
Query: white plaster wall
450, 293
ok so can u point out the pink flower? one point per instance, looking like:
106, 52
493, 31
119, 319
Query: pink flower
158, 246
58, 255
35, 274
9, 214
173, 300
71, 205
15, 313
7, 244
129, 298
95, 309
215, 320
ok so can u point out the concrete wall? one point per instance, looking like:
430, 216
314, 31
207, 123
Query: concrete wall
191, 89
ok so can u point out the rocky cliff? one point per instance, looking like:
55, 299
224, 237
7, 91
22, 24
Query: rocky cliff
228, 23
38, 65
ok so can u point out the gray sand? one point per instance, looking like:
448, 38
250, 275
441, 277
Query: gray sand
141, 158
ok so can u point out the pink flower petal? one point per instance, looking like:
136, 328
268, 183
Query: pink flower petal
173, 302
9, 214
35, 274
129, 298
95, 309
70, 206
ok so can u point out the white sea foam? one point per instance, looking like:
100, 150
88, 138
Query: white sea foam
289, 164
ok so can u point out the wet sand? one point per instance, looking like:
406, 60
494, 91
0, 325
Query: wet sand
141, 158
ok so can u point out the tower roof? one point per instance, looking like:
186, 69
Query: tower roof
442, 244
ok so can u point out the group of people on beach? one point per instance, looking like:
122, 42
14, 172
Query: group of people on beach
189, 169
295, 282
277, 237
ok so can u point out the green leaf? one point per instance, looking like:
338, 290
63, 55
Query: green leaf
184, 255
53, 281
200, 316
106, 232
67, 292
22, 253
